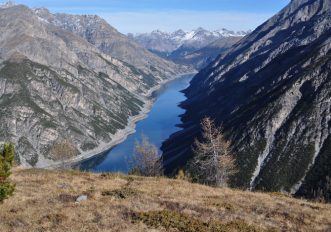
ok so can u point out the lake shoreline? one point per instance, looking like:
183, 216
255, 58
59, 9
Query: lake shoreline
123, 134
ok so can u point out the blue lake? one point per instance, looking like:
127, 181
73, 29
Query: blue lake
160, 123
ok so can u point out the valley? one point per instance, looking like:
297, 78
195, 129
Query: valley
57, 85
146, 116
229, 108
160, 122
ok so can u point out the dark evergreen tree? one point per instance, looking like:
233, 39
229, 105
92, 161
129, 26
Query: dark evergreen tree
7, 155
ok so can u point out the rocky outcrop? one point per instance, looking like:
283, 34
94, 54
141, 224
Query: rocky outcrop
56, 85
271, 93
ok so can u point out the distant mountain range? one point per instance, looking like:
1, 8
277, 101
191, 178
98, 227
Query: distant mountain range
70, 77
197, 48
272, 94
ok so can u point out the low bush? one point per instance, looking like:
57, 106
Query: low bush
185, 223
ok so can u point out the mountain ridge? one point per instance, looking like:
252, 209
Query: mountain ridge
109, 41
196, 48
260, 91
179, 37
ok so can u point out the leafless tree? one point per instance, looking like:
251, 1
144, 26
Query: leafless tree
63, 151
213, 162
146, 160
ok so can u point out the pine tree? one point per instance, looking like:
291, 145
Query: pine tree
7, 156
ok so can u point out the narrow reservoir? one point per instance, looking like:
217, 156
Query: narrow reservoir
160, 123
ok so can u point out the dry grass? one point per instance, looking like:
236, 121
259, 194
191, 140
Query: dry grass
45, 201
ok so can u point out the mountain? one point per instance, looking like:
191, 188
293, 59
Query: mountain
55, 85
46, 200
200, 58
179, 45
271, 93
108, 40
169, 42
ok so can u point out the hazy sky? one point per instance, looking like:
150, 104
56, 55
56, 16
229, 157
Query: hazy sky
169, 15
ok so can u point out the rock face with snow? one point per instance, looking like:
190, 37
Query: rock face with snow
197, 48
57, 85
272, 94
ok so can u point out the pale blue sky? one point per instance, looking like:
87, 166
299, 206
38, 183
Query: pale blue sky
169, 15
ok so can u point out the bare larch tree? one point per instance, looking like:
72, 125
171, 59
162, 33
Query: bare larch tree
146, 160
213, 162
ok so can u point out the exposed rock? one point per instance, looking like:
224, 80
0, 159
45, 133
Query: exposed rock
108, 40
56, 85
81, 198
271, 93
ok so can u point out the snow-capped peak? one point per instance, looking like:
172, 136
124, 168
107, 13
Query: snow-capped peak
197, 38
197, 34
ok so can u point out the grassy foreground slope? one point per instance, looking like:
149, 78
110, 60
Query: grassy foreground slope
46, 201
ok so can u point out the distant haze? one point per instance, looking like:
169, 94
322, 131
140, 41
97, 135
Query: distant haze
147, 15
137, 22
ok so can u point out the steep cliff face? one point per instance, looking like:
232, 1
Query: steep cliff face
55, 85
272, 94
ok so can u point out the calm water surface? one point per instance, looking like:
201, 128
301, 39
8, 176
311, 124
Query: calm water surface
158, 126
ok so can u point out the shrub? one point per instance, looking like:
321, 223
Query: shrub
120, 193
182, 175
7, 155
185, 223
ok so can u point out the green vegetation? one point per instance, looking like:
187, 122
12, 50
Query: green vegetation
186, 223
149, 80
317, 184
247, 161
114, 67
7, 155
88, 146
122, 193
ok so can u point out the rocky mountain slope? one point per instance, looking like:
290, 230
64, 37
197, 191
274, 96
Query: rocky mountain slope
56, 85
189, 48
272, 94
108, 40
72, 201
